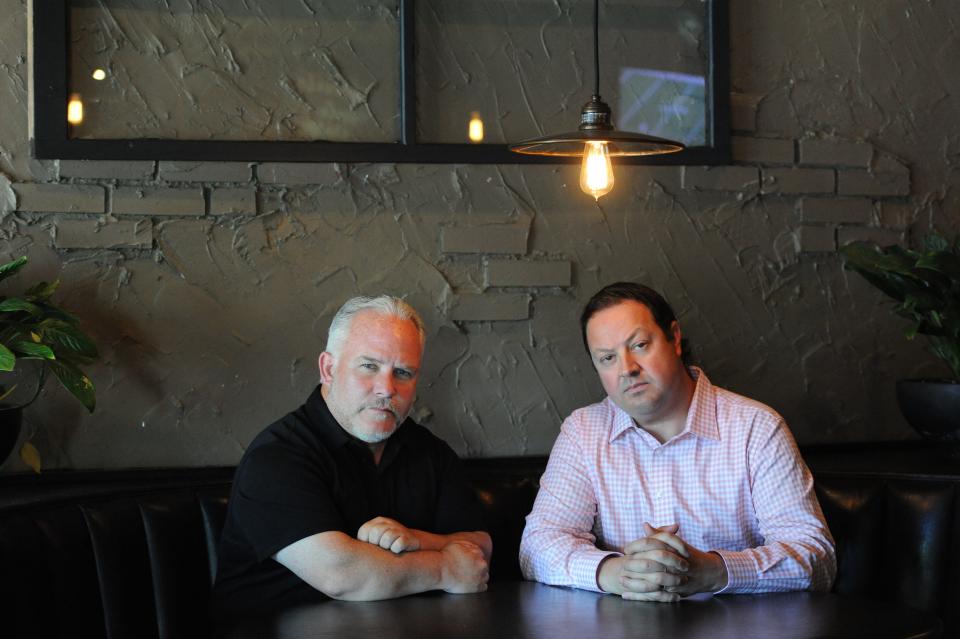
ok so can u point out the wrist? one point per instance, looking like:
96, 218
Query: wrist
720, 575
608, 574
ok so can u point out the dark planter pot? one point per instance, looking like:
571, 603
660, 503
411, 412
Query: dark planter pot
11, 419
932, 407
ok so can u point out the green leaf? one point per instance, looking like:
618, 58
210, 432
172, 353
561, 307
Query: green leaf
7, 359
67, 340
8, 269
31, 456
41, 292
52, 312
6, 393
14, 304
934, 243
943, 263
32, 349
76, 382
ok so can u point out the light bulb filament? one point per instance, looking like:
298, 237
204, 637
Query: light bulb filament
475, 129
596, 172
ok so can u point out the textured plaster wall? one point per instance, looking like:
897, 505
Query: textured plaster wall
209, 287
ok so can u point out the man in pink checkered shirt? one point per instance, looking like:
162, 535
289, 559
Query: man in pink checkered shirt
671, 486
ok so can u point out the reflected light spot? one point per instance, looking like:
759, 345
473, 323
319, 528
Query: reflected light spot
75, 109
99, 74
475, 130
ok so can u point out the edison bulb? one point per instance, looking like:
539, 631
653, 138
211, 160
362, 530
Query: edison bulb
596, 172
475, 129
75, 109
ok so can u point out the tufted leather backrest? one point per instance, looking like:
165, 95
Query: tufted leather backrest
117, 556
898, 539
137, 565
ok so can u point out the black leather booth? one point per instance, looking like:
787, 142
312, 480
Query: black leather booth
132, 553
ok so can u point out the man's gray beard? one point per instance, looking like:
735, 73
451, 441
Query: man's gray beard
375, 438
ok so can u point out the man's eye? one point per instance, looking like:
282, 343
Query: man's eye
403, 374
370, 366
605, 359
639, 346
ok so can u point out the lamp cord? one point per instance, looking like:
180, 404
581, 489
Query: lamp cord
596, 49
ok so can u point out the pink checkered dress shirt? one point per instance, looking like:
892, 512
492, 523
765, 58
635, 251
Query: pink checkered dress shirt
733, 479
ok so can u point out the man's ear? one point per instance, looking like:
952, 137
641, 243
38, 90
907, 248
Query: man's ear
677, 338
326, 363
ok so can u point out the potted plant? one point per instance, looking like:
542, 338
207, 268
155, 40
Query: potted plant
926, 287
34, 328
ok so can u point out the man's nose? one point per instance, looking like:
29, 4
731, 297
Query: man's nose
385, 385
629, 366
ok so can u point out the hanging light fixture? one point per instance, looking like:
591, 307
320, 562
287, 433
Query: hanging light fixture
596, 141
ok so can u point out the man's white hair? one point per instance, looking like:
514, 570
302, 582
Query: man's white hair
381, 304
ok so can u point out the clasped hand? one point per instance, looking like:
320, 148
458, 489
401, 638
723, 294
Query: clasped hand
389, 534
662, 567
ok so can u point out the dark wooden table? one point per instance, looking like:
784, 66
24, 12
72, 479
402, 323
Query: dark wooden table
524, 610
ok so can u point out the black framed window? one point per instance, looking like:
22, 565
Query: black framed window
378, 81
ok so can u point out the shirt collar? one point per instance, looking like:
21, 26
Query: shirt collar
701, 416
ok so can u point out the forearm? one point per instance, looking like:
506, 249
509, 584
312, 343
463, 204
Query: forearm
561, 558
780, 566
343, 568
433, 541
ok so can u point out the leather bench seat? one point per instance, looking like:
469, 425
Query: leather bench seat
133, 553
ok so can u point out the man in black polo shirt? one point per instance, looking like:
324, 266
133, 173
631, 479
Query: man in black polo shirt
345, 497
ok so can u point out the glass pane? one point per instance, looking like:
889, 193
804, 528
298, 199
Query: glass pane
525, 67
236, 69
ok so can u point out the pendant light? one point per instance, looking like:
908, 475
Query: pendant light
596, 141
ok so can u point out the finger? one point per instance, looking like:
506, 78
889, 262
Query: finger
639, 584
657, 561
387, 538
659, 595
643, 564
672, 541
660, 579
364, 533
400, 544
646, 544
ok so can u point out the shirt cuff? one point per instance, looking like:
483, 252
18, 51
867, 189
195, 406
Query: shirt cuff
741, 571
585, 568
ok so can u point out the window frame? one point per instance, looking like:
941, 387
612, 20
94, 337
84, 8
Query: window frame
50, 37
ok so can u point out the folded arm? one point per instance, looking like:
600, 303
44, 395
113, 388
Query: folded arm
391, 535
349, 569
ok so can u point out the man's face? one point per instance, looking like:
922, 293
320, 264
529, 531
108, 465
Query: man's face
370, 385
639, 367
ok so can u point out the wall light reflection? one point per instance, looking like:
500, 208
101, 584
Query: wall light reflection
75, 109
99, 74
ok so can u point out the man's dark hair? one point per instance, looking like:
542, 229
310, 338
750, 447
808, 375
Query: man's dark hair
618, 292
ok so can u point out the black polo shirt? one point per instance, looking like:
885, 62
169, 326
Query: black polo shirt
304, 475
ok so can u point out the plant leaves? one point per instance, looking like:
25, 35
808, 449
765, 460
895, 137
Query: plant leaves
934, 243
41, 292
7, 359
68, 340
944, 263
8, 269
32, 349
75, 381
31, 456
14, 304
